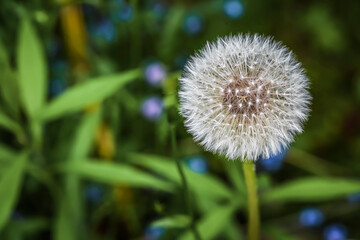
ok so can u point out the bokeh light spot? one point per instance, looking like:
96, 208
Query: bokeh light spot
311, 217
198, 164
233, 9
335, 232
155, 73
152, 108
193, 24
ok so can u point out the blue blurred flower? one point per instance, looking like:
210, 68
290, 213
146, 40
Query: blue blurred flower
53, 48
59, 68
94, 193
123, 12
105, 30
335, 232
273, 163
197, 164
311, 217
193, 24
155, 73
233, 8
154, 233
354, 198
159, 9
16, 215
57, 86
152, 108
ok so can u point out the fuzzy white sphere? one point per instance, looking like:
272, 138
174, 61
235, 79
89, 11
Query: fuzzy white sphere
244, 96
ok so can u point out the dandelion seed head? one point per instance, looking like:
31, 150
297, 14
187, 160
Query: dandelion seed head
244, 96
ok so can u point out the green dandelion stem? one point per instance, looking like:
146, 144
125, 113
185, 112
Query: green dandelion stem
253, 205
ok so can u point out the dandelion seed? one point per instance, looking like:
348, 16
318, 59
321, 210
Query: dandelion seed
256, 66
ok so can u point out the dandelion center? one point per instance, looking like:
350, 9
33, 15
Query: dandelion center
246, 96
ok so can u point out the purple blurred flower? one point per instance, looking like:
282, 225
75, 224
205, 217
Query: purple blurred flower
152, 108
155, 73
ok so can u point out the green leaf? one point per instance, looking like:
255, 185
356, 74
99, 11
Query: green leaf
85, 135
7, 156
235, 174
176, 221
26, 228
198, 182
311, 189
6, 153
168, 37
9, 89
112, 173
232, 231
32, 69
213, 223
10, 184
64, 229
87, 93
81, 147
8, 123
313, 164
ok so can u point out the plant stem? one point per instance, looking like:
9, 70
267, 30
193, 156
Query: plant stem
253, 206
185, 185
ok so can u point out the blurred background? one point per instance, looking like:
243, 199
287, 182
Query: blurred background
90, 130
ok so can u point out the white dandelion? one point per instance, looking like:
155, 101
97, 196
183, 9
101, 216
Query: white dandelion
244, 96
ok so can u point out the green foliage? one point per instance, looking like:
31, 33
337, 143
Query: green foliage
170, 31
85, 135
276, 233
6, 153
32, 69
81, 147
10, 184
64, 229
115, 174
8, 123
311, 189
213, 223
90, 92
176, 221
167, 168
9, 88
